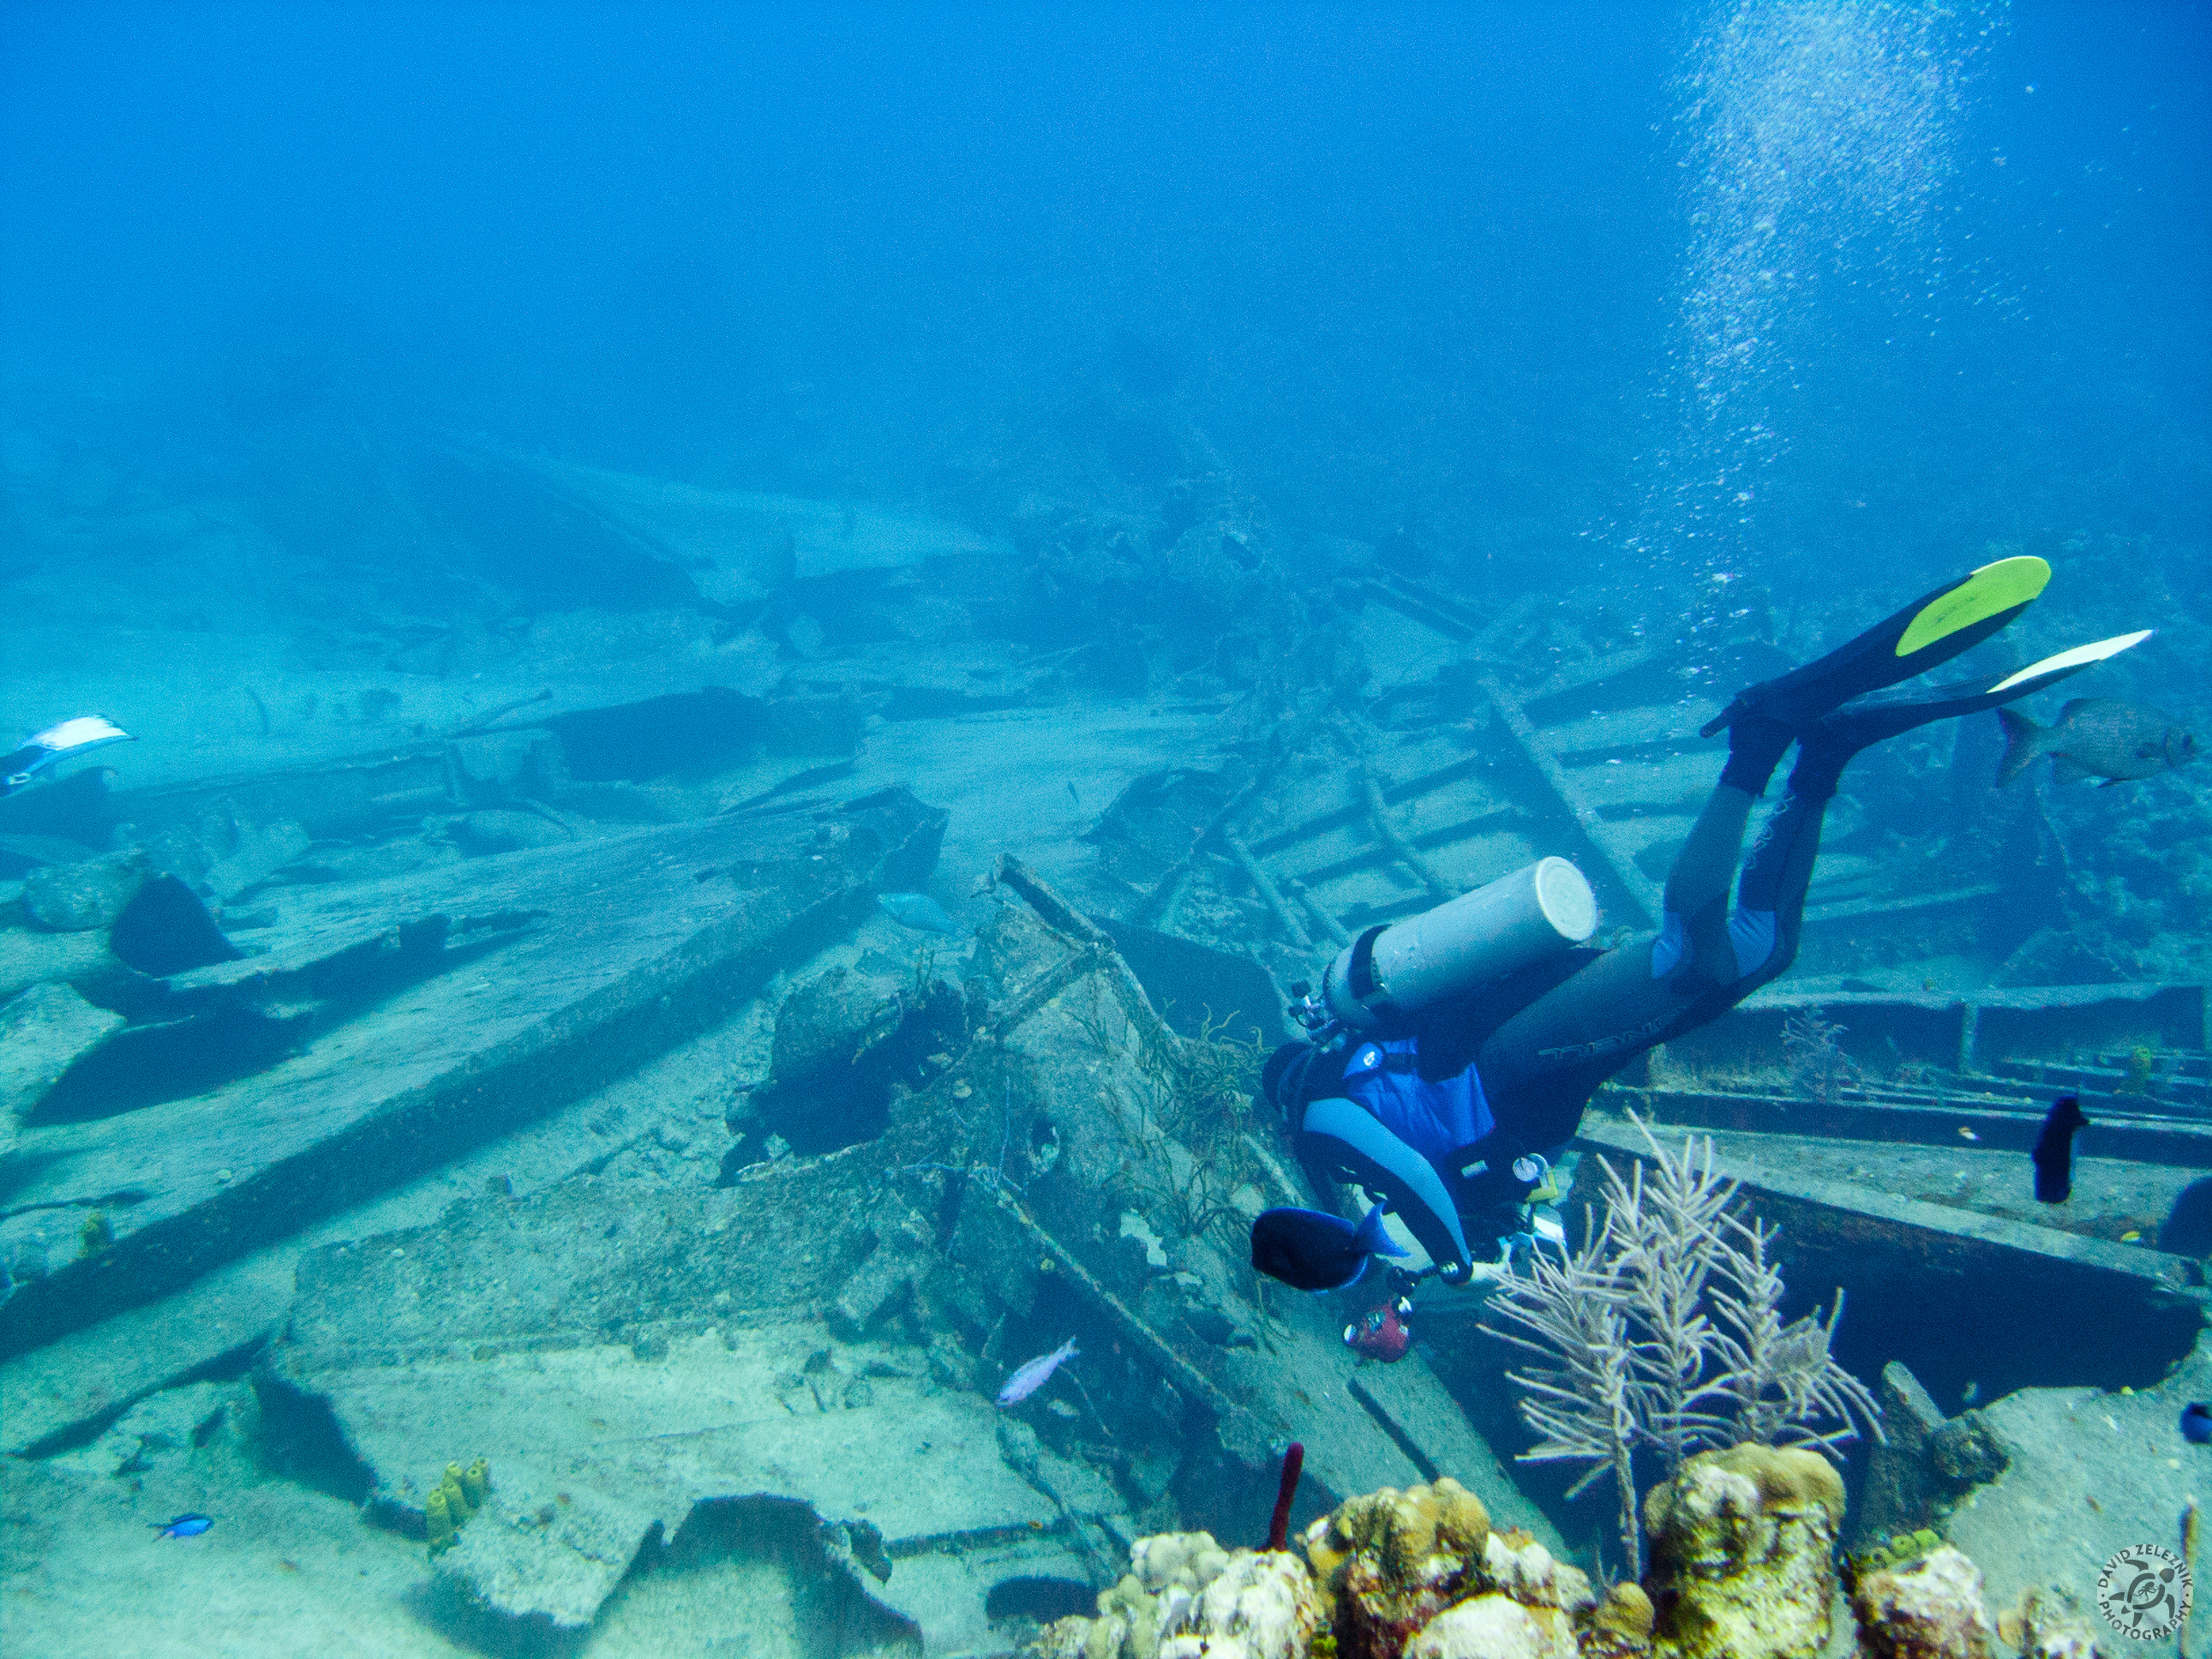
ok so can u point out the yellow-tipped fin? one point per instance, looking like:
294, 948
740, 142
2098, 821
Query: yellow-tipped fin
2067, 661
1994, 587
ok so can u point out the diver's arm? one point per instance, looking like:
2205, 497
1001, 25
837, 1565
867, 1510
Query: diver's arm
1315, 1161
1418, 1193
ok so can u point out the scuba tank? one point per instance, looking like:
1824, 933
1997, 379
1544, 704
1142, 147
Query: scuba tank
1402, 967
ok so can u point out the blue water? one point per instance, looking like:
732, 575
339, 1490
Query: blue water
1443, 266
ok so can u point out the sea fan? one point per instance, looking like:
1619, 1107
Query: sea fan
1664, 1331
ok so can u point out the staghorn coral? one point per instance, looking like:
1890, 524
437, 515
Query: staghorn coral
1930, 1609
1742, 1543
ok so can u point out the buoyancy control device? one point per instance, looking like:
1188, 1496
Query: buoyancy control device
1398, 968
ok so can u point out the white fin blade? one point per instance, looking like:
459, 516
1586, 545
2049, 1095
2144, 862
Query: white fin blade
2067, 661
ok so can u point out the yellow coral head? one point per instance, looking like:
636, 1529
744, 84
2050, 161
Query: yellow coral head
1627, 1612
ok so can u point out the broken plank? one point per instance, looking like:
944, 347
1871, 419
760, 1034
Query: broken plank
1420, 610
1595, 672
1928, 1282
1851, 910
1400, 849
1642, 893
1999, 1124
647, 940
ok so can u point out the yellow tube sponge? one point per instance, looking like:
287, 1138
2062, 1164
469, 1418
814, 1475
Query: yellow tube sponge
437, 1521
457, 1501
476, 1481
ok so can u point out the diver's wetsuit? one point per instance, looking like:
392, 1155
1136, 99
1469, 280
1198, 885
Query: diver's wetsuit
1432, 1118
1511, 1069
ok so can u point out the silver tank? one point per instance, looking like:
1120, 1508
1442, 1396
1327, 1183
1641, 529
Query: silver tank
1463, 942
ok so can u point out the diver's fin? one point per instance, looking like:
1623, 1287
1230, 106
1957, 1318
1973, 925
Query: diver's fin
1930, 631
1847, 731
2051, 670
2024, 738
2023, 743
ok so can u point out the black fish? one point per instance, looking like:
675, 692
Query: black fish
1311, 1250
2054, 1150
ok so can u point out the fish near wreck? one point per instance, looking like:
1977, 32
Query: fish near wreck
1313, 1250
1033, 1376
2054, 1149
919, 911
2098, 737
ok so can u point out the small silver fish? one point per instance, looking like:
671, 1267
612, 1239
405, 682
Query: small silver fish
919, 911
1035, 1375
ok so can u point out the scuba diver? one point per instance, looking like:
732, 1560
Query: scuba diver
1452, 1054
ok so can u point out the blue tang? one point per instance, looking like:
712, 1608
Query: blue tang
1312, 1250
184, 1525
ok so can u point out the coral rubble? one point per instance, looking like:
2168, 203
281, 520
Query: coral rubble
1928, 1608
1495, 1626
2042, 1628
1389, 1562
1185, 1596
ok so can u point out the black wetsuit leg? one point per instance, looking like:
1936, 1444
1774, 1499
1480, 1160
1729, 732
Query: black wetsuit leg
1540, 1068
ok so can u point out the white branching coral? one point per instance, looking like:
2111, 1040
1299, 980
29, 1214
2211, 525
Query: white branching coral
1664, 1333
